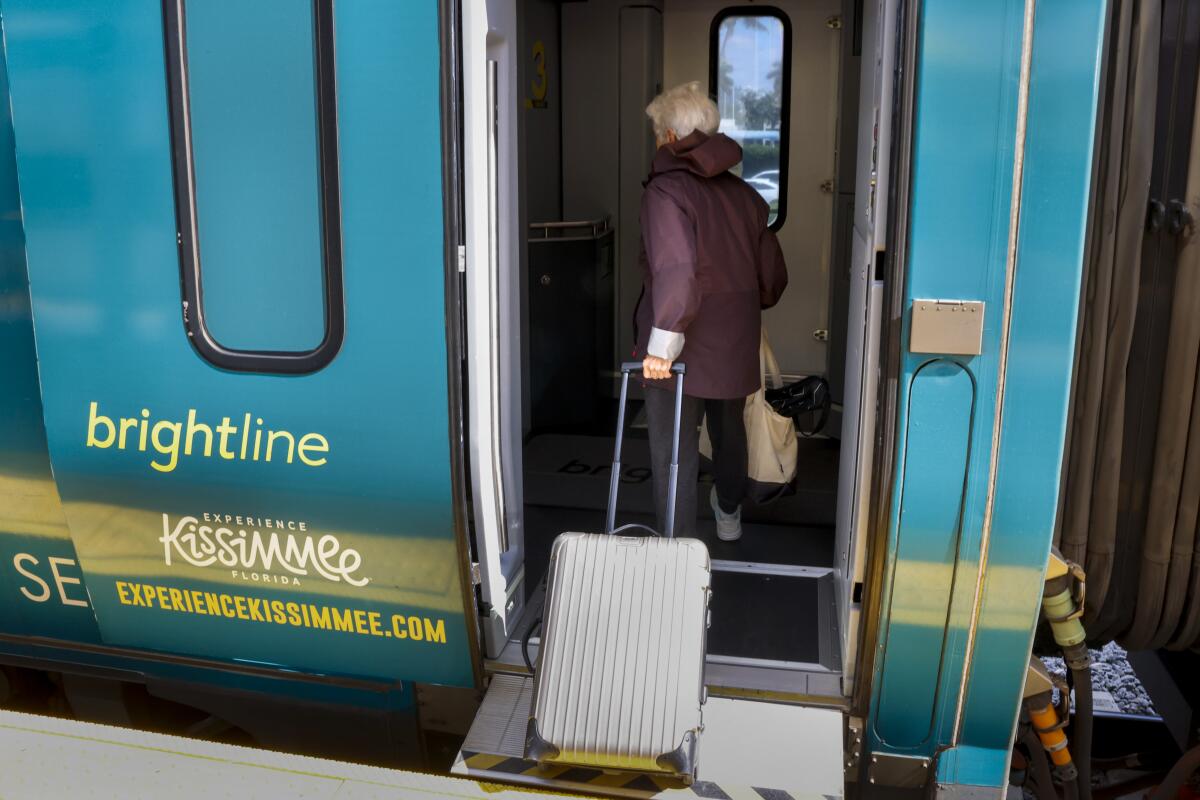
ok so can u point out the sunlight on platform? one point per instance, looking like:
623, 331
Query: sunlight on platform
43, 758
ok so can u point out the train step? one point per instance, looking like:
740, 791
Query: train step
751, 749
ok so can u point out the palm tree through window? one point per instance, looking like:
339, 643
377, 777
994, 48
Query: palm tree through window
750, 51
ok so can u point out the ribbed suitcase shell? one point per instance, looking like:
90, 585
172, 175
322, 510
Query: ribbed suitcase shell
620, 679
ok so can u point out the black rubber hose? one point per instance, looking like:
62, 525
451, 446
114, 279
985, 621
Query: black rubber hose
1070, 790
1178, 776
1081, 730
1043, 784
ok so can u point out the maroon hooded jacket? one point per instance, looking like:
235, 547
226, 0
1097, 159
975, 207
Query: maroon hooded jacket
710, 266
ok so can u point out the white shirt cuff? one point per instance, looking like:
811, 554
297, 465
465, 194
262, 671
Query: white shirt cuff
664, 344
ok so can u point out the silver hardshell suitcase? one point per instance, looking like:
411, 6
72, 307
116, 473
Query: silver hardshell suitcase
620, 675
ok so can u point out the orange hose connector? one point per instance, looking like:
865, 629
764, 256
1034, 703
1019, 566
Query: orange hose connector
1046, 724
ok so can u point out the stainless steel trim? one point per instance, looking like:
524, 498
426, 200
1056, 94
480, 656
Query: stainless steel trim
546, 239
740, 661
775, 685
788, 570
1010, 270
596, 226
510, 660
723, 673
601, 223
829, 645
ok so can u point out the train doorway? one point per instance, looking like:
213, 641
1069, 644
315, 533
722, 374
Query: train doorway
556, 148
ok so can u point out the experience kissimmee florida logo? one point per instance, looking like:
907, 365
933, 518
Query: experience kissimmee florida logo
249, 441
284, 554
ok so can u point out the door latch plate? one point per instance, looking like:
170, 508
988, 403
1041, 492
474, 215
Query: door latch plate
950, 327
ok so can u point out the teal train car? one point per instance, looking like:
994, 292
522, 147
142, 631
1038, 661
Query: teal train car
311, 310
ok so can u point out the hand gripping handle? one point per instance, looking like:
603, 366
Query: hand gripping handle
615, 478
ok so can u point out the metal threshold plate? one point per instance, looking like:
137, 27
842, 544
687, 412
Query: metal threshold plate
782, 682
748, 749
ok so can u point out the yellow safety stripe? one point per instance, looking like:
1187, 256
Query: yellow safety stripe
627, 783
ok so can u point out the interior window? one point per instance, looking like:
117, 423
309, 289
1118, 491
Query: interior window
750, 55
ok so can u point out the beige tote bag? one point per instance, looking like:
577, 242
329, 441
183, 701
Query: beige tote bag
770, 438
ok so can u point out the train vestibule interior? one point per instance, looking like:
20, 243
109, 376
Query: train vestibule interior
568, 83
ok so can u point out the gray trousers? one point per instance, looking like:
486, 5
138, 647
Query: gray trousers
726, 431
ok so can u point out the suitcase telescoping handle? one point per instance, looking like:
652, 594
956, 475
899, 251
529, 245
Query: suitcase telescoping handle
614, 482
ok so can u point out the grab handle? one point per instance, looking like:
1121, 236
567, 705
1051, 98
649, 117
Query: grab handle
678, 369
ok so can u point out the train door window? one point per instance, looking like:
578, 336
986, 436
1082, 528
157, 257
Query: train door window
750, 78
254, 141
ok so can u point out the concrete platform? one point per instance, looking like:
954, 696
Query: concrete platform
44, 758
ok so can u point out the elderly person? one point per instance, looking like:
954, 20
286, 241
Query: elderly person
710, 266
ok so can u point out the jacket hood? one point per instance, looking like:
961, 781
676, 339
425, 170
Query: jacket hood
699, 154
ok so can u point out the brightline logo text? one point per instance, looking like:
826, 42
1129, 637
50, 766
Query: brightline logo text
247, 442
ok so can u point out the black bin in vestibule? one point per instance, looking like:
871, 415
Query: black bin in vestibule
571, 333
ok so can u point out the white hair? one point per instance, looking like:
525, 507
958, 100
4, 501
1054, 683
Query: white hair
683, 109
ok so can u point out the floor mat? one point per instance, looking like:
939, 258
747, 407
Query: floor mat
760, 543
567, 470
764, 616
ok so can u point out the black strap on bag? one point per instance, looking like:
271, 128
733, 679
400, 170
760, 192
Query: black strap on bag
807, 396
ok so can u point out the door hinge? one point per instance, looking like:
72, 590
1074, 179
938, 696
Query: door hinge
834, 23
821, 335
827, 186
462, 258
476, 574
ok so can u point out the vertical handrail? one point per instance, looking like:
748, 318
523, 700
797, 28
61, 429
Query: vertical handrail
493, 178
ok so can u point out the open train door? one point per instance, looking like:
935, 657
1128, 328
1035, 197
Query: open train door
749, 742
869, 235
489, 259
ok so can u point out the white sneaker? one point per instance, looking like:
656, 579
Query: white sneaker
729, 526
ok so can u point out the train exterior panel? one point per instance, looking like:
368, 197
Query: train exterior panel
980, 437
275, 519
233, 452
43, 590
